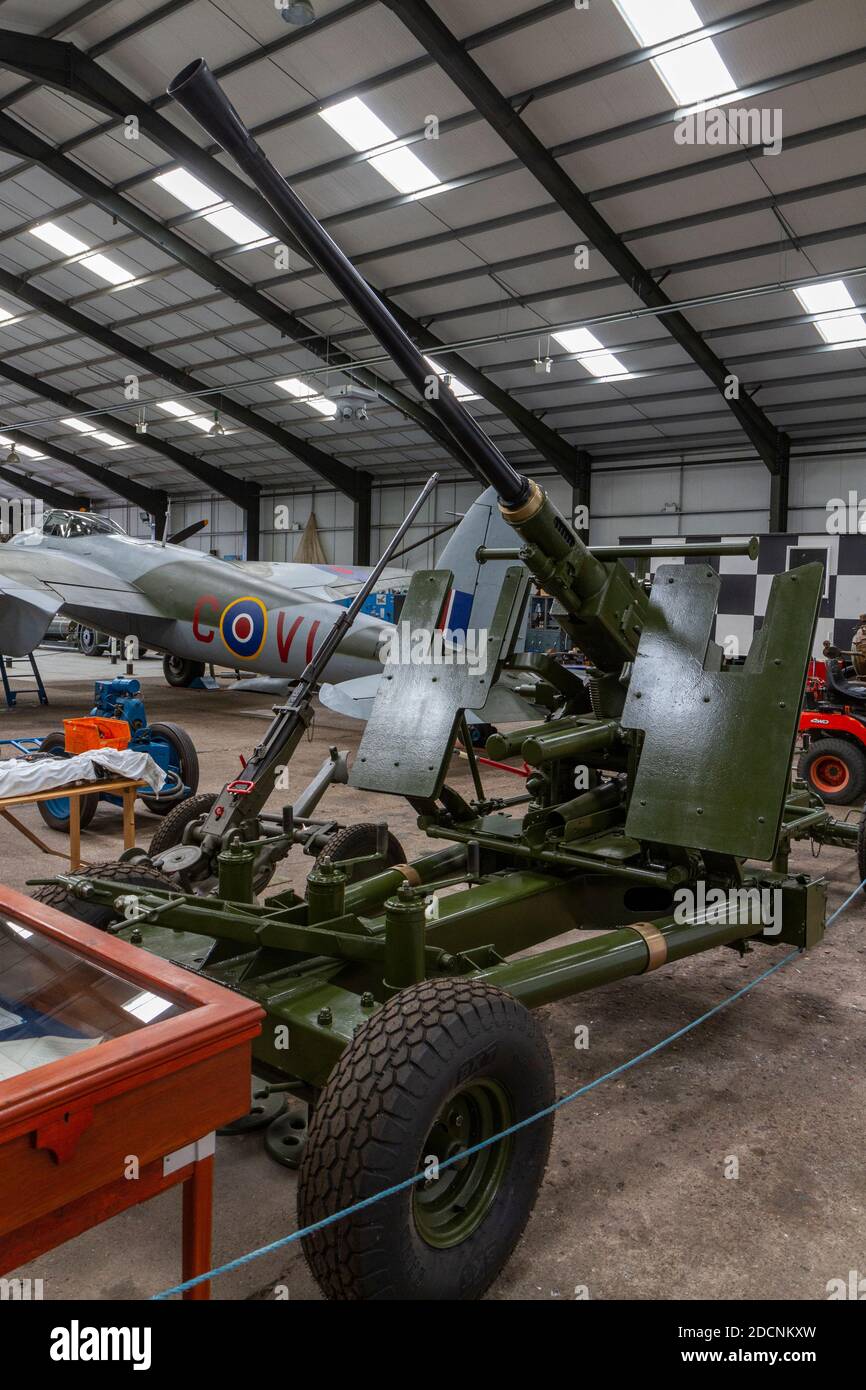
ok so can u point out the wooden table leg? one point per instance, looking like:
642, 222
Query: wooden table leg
129, 795
197, 1226
74, 832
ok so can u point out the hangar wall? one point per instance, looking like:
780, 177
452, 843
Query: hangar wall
666, 500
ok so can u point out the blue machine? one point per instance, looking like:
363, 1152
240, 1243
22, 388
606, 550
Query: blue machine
168, 744
386, 604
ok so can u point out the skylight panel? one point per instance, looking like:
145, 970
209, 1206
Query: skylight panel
104, 437
62, 241
205, 423
359, 126
363, 130
196, 196
70, 245
107, 269
692, 74
844, 327
21, 448
187, 189
591, 354
236, 226
307, 395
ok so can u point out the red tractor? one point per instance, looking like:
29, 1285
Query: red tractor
833, 724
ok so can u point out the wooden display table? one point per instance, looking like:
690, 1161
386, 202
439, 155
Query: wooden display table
118, 1069
120, 786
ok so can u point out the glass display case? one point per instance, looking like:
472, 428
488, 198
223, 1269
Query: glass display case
54, 1004
112, 1062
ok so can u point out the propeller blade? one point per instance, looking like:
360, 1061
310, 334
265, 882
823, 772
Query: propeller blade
180, 536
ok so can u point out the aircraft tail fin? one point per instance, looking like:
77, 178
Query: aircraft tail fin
476, 588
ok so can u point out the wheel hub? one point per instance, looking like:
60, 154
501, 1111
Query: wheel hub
831, 774
449, 1206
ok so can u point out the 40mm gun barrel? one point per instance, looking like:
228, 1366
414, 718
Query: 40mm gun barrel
197, 90
603, 608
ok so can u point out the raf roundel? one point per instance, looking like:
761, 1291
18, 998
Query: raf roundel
243, 627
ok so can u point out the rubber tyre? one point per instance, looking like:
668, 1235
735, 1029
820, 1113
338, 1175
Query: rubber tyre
181, 673
837, 753
88, 640
170, 832
372, 1126
187, 758
354, 841
100, 915
55, 813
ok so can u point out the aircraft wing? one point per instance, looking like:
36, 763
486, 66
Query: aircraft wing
26, 610
354, 698
330, 582
35, 583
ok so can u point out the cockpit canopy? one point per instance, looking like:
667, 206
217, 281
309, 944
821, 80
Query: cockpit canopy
68, 524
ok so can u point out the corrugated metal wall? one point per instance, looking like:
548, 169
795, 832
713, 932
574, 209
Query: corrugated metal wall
675, 500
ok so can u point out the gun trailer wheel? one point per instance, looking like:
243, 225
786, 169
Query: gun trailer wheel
128, 877
441, 1067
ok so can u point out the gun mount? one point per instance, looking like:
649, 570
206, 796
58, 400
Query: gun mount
659, 814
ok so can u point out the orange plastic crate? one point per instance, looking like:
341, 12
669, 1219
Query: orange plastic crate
83, 735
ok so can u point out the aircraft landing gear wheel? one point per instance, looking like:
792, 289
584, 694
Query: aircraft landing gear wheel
184, 761
835, 769
55, 812
179, 672
88, 641
441, 1067
128, 877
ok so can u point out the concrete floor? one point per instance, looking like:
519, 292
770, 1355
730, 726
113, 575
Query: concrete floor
636, 1203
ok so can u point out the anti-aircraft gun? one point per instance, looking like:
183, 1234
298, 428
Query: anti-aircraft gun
661, 819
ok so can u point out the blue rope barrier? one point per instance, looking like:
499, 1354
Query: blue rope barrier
341, 1215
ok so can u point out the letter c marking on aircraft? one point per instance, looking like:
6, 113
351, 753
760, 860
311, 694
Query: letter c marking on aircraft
197, 632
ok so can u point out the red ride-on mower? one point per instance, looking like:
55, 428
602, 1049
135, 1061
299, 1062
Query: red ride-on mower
833, 727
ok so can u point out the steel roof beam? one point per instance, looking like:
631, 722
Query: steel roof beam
440, 43
63, 65
539, 92
35, 487
151, 499
18, 140
215, 479
839, 129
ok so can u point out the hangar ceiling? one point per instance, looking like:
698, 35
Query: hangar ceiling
127, 248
